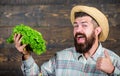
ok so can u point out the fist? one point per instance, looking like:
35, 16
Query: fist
104, 63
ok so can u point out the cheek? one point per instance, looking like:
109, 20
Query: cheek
89, 33
74, 32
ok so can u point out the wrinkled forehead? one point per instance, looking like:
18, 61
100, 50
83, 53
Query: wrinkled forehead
84, 19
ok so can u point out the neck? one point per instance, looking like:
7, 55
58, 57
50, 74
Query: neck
92, 50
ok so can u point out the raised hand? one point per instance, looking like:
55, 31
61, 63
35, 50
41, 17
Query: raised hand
21, 48
104, 63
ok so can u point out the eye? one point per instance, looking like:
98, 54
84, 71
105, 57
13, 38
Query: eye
84, 25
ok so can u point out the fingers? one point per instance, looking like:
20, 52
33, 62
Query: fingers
22, 48
106, 54
19, 47
99, 63
17, 38
17, 41
104, 63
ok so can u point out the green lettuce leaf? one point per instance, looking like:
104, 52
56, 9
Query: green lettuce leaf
31, 37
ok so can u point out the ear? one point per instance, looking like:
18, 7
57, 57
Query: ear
98, 30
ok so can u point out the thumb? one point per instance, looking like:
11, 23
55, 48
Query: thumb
106, 54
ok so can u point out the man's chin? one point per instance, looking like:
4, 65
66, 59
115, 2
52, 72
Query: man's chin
80, 43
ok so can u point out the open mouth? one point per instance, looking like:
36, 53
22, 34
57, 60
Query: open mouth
80, 38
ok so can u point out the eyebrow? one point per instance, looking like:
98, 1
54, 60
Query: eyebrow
84, 22
81, 22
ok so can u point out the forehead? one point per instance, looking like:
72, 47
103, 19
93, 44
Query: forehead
83, 19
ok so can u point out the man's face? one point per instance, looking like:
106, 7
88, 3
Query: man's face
84, 36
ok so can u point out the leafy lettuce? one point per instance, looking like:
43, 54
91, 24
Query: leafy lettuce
31, 37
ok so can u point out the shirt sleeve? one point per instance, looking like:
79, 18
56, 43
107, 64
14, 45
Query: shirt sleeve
48, 68
116, 62
29, 67
117, 71
117, 68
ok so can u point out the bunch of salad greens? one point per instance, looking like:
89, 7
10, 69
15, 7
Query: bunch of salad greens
31, 37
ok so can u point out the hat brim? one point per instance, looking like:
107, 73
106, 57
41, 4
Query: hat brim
97, 15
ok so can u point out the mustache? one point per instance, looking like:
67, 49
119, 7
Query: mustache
78, 33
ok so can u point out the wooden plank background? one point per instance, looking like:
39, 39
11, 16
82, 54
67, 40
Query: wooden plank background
51, 18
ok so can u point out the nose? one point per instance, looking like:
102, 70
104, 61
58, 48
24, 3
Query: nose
79, 29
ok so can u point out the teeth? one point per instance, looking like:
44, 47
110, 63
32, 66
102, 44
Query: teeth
80, 36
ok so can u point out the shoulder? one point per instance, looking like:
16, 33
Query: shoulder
114, 58
66, 53
67, 50
112, 54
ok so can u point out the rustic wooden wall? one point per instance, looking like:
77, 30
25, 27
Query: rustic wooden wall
51, 18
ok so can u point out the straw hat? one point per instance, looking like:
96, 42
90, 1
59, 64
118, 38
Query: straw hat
97, 15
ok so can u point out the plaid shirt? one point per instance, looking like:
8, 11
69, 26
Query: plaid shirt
70, 63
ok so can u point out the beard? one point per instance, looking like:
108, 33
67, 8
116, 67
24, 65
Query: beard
86, 46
